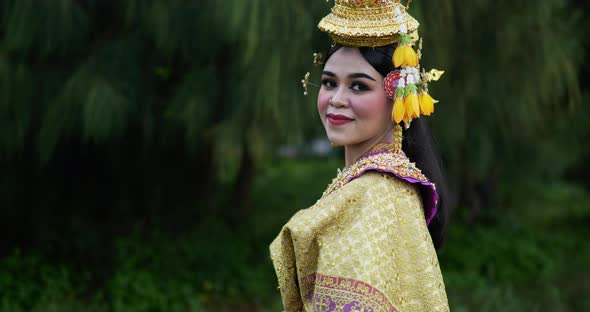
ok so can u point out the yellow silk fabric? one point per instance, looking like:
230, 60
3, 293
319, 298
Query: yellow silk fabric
371, 230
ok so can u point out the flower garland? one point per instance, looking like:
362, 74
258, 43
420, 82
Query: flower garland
407, 86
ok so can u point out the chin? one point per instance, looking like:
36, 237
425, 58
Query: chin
340, 140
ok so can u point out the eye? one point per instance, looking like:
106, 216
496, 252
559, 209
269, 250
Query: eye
359, 86
328, 83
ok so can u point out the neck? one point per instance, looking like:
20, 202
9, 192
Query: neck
353, 152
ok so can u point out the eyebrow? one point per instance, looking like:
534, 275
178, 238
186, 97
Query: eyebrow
355, 75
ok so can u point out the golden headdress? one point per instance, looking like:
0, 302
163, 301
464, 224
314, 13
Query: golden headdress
375, 23
368, 23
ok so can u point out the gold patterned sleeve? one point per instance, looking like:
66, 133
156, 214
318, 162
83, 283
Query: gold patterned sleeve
418, 280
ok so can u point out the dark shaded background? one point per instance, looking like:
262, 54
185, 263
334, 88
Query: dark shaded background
139, 148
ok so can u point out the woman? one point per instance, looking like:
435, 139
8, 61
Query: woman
369, 243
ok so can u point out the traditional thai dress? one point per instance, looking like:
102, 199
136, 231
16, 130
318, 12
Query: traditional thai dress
365, 245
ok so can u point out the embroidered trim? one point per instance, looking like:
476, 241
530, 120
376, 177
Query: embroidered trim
330, 293
384, 158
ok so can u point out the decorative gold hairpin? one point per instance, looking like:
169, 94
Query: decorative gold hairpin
432, 75
419, 52
318, 59
305, 82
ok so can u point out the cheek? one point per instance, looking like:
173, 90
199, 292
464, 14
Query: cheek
371, 107
323, 102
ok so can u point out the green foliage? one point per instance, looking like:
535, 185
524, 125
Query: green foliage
30, 283
510, 82
209, 266
214, 266
16, 109
223, 75
44, 29
547, 203
503, 268
108, 67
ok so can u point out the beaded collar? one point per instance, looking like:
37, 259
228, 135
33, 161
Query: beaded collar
387, 158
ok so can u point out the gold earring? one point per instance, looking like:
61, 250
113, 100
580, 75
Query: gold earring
397, 137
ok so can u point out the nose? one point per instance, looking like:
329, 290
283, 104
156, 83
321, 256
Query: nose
339, 99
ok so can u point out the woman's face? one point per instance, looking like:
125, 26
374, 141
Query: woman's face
352, 103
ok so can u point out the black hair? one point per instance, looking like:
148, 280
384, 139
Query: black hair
418, 144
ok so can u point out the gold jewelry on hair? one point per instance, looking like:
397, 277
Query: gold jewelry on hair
318, 59
304, 83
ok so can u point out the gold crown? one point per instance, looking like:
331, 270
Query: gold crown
368, 23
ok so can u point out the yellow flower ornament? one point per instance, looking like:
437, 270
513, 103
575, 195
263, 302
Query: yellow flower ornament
412, 105
407, 86
404, 54
426, 103
409, 90
399, 110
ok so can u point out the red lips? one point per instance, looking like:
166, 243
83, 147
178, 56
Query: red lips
338, 120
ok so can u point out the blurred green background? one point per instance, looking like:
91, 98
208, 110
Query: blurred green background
150, 150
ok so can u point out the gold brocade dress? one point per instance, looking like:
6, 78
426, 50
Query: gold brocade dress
364, 246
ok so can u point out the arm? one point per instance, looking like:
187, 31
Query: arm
283, 257
419, 282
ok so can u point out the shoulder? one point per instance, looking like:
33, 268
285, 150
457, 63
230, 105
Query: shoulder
379, 191
385, 185
393, 172
370, 193
387, 181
